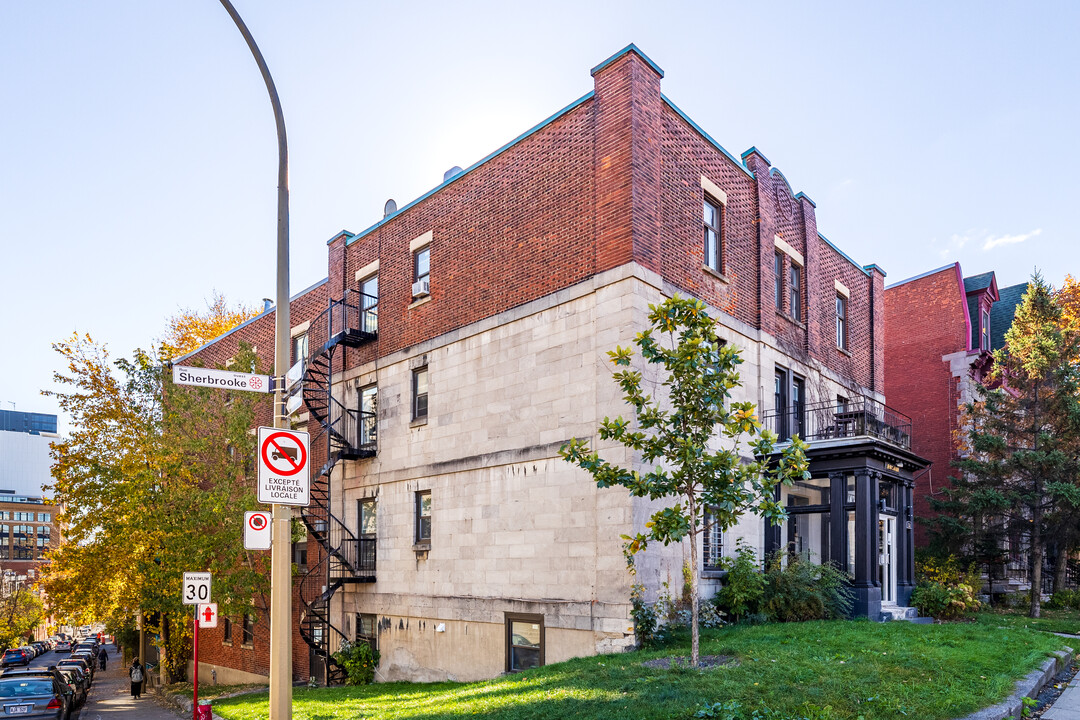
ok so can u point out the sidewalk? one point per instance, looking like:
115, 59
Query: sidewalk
1067, 706
110, 697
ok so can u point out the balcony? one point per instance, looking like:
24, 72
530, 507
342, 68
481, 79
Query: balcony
360, 432
826, 421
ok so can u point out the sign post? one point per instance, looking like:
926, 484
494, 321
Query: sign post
196, 591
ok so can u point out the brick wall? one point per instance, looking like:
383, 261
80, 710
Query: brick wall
924, 321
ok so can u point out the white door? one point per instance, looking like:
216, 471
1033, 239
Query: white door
887, 558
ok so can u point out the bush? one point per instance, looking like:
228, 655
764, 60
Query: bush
741, 593
1064, 600
359, 661
644, 616
797, 589
944, 591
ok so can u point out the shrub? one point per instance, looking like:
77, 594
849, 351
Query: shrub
741, 593
797, 589
944, 591
644, 616
1064, 600
359, 661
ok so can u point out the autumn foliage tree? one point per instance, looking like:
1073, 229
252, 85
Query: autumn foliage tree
153, 480
189, 330
692, 431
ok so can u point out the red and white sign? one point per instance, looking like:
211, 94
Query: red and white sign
284, 473
225, 379
208, 615
257, 530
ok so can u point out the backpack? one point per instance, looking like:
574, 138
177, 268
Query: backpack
136, 674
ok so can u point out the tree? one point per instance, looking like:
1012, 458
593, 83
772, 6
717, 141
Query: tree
679, 432
153, 480
189, 330
1024, 430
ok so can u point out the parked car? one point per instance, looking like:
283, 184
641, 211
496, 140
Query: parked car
79, 683
63, 646
36, 696
17, 656
79, 663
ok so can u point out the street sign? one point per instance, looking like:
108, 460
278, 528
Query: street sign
257, 530
225, 379
284, 473
295, 402
207, 615
295, 374
196, 588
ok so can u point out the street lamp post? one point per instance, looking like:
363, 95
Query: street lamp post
281, 531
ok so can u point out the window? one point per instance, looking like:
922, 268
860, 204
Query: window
419, 393
793, 286
300, 554
798, 407
780, 403
44, 517
369, 304
422, 264
778, 281
712, 543
5, 542
367, 516
841, 322
43, 538
985, 339
299, 348
249, 630
423, 516
5, 515
524, 642
24, 541
842, 404
367, 630
713, 220
369, 415
226, 631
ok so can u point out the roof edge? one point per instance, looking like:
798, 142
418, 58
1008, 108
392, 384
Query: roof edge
920, 276
738, 163
247, 322
631, 48
534, 129
847, 257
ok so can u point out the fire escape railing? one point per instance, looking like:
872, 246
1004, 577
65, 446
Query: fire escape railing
349, 433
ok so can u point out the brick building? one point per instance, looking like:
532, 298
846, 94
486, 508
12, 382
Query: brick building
464, 342
940, 330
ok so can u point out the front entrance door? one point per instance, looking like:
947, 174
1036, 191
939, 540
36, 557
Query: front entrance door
887, 558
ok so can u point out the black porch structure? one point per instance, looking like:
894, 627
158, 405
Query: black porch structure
856, 510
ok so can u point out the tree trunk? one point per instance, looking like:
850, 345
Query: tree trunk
162, 664
1060, 565
1036, 558
694, 649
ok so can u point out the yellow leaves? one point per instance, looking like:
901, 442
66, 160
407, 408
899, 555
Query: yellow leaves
190, 330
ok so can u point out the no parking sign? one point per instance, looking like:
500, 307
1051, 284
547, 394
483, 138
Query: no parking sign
257, 530
284, 473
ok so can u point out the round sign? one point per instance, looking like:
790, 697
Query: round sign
281, 459
257, 521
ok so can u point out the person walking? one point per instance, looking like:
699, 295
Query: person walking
103, 658
136, 673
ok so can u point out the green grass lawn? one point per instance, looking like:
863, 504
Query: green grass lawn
1063, 621
860, 669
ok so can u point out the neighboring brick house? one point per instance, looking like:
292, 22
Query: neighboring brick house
940, 331
238, 650
465, 342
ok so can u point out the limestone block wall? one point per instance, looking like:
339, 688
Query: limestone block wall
515, 529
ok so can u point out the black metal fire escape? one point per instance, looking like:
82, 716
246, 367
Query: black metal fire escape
349, 434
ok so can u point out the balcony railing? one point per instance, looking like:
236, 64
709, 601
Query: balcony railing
831, 420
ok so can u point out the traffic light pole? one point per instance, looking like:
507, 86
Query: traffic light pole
281, 524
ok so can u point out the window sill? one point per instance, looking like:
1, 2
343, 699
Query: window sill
844, 351
422, 547
245, 646
716, 274
227, 643
419, 422
791, 320
714, 574
419, 301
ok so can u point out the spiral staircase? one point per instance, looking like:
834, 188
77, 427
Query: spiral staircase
348, 433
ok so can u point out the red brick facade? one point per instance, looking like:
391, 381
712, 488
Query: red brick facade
615, 178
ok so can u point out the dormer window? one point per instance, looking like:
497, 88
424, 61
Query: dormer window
985, 334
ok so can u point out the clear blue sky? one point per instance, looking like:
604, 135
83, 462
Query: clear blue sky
138, 155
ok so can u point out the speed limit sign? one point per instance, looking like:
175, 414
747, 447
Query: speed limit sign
196, 588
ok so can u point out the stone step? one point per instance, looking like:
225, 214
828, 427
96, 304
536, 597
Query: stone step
897, 612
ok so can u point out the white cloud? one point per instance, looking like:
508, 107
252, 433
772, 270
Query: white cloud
993, 242
951, 247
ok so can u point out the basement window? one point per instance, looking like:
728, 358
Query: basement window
524, 641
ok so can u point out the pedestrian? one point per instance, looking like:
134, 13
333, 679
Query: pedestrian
103, 658
135, 672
